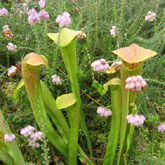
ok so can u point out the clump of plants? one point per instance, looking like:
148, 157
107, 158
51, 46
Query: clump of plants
80, 103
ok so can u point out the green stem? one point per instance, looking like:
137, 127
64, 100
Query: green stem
130, 131
59, 120
74, 118
127, 98
31, 76
45, 36
8, 62
69, 56
38, 43
115, 125
55, 114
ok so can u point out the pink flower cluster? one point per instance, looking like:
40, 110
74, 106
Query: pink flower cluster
104, 111
150, 17
42, 3
100, 66
9, 137
27, 131
135, 119
56, 79
113, 31
161, 127
34, 137
43, 14
11, 47
135, 83
3, 12
64, 19
34, 17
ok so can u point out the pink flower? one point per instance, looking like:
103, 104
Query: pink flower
34, 19
42, 3
161, 127
135, 83
9, 137
135, 119
64, 19
100, 66
3, 12
139, 120
101, 111
104, 111
36, 136
43, 14
32, 11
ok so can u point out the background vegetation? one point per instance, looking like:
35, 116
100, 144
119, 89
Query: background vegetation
95, 18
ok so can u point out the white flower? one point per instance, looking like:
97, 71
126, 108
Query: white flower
6, 27
27, 131
150, 17
11, 71
117, 65
25, 6
56, 79
81, 35
34, 144
11, 47
113, 31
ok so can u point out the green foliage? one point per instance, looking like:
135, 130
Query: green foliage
99, 87
128, 16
